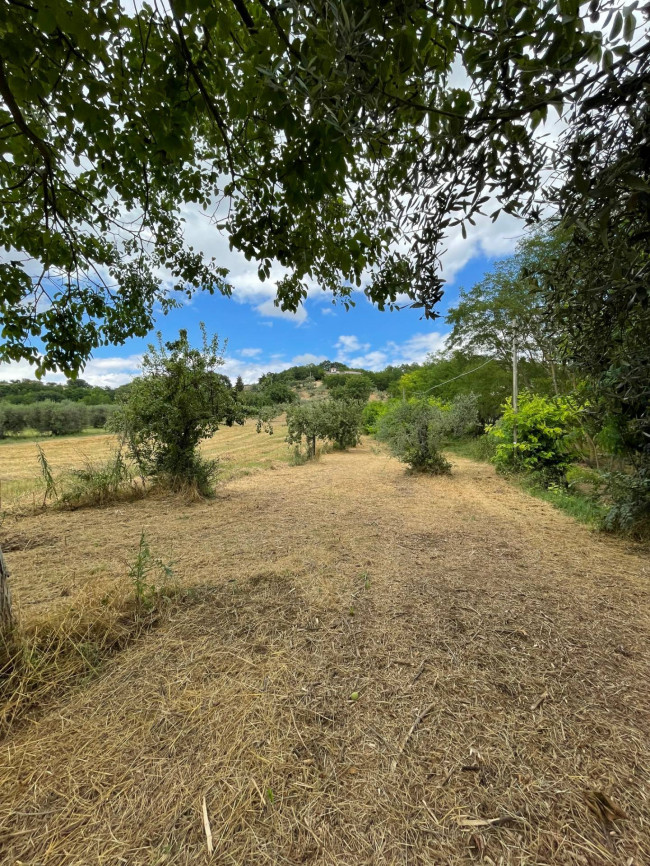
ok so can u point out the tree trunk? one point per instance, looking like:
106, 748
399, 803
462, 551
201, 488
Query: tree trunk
6, 614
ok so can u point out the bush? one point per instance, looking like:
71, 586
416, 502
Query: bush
414, 431
461, 416
178, 401
304, 422
545, 430
14, 418
98, 415
60, 418
67, 418
341, 422
371, 415
630, 493
97, 484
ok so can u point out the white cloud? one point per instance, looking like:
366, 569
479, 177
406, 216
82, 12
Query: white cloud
411, 351
416, 348
348, 344
250, 353
307, 358
105, 372
370, 361
268, 308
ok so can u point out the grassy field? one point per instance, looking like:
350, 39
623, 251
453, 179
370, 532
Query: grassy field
240, 450
369, 667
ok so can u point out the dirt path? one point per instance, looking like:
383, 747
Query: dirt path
522, 635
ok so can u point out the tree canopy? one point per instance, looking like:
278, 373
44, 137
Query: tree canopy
325, 136
506, 305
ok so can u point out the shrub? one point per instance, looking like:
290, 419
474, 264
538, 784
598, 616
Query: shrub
98, 415
14, 418
461, 416
371, 415
349, 386
67, 418
178, 401
413, 431
341, 422
630, 493
304, 422
545, 430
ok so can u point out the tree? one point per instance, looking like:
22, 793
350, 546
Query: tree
178, 401
345, 386
450, 374
506, 304
300, 126
239, 385
413, 431
339, 421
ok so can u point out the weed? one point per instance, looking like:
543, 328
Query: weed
143, 573
48, 477
98, 483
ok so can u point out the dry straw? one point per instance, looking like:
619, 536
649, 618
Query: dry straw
497, 652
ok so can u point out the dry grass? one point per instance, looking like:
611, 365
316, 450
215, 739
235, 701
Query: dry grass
498, 651
45, 659
241, 450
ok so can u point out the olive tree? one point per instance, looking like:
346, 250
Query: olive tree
336, 421
414, 432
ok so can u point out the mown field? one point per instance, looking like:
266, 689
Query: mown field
239, 449
371, 667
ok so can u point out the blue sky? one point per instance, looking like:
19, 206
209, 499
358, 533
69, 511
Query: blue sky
262, 338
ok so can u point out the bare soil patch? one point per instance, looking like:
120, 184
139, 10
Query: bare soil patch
378, 668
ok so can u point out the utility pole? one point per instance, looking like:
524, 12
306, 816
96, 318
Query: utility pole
515, 387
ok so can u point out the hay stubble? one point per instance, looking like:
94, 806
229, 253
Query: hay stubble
498, 652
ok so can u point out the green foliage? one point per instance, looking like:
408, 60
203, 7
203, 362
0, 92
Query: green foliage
178, 401
506, 305
460, 417
27, 391
630, 511
149, 576
349, 386
58, 418
47, 475
546, 428
445, 377
414, 432
94, 484
482, 448
307, 122
98, 484
336, 421
371, 415
304, 423
341, 422
271, 395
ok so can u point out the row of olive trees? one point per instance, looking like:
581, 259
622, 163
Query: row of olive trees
337, 421
58, 418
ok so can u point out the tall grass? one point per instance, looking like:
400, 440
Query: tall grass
94, 484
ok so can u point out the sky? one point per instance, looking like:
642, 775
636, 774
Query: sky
261, 338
